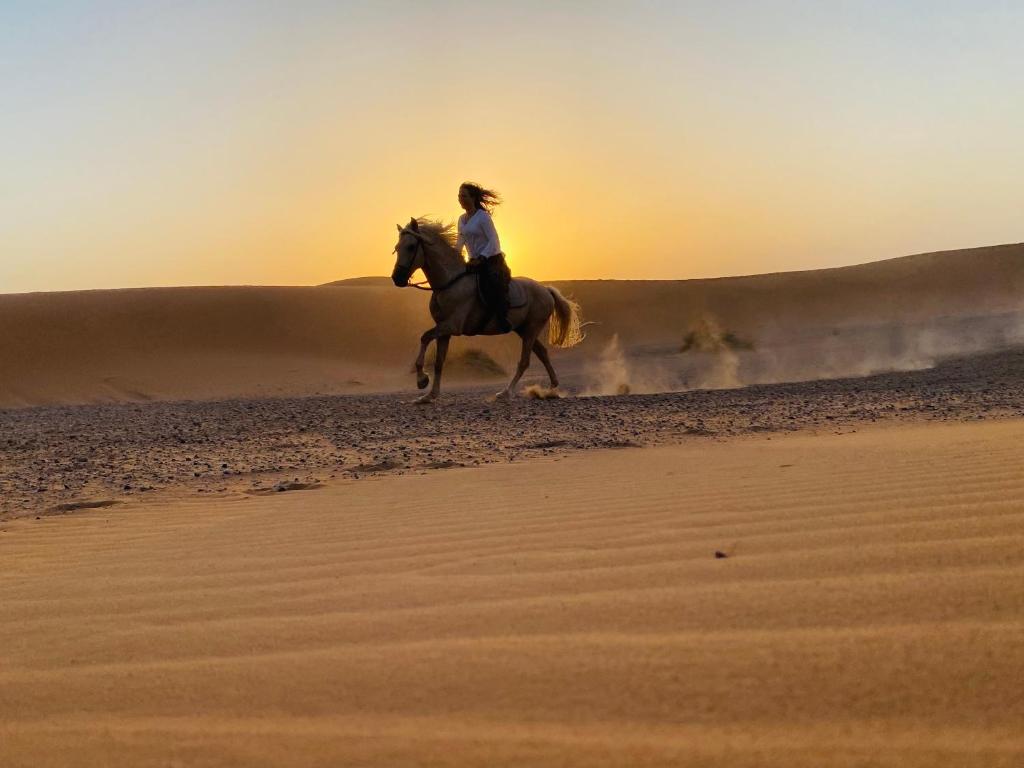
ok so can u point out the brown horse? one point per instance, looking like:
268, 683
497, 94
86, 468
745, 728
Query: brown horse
458, 310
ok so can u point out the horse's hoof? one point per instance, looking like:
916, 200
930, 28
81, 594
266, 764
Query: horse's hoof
505, 394
425, 399
422, 381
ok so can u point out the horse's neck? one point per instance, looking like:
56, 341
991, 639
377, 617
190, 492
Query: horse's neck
442, 265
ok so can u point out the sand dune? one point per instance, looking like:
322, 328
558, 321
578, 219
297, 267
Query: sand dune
206, 343
555, 612
173, 343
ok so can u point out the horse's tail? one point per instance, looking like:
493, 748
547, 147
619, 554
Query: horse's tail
566, 328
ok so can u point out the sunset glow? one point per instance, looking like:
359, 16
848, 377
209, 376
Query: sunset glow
239, 143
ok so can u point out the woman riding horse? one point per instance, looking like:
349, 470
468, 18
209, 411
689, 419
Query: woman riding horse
478, 235
457, 310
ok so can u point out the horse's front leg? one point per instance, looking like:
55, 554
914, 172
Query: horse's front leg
440, 353
422, 380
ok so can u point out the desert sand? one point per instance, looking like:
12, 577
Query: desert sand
57, 458
558, 611
361, 336
769, 521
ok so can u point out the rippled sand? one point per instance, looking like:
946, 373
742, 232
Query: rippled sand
567, 610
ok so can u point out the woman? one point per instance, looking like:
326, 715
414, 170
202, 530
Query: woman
478, 235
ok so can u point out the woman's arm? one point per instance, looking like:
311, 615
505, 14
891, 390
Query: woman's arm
487, 225
460, 241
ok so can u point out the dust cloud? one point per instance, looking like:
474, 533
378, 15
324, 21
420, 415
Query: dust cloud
710, 356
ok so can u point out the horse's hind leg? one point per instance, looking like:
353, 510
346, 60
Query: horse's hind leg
422, 380
542, 354
524, 363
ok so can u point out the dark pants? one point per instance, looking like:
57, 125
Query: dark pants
494, 281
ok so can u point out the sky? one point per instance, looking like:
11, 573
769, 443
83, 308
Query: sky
211, 143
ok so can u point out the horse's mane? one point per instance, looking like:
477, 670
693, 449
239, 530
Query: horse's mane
438, 231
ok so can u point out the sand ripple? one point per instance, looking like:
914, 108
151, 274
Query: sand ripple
567, 611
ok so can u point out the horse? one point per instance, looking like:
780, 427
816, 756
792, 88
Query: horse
458, 308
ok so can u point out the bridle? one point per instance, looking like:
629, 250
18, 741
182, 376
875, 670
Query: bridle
419, 247
424, 285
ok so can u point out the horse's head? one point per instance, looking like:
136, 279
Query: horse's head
409, 253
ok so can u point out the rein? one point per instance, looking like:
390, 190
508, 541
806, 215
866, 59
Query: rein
432, 289
420, 285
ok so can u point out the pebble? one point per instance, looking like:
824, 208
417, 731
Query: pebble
173, 445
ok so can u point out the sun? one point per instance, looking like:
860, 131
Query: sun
516, 248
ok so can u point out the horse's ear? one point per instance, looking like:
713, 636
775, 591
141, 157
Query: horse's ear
414, 225
399, 228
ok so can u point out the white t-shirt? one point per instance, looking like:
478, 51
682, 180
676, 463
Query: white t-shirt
478, 234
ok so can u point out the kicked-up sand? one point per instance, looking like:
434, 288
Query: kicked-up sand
567, 610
